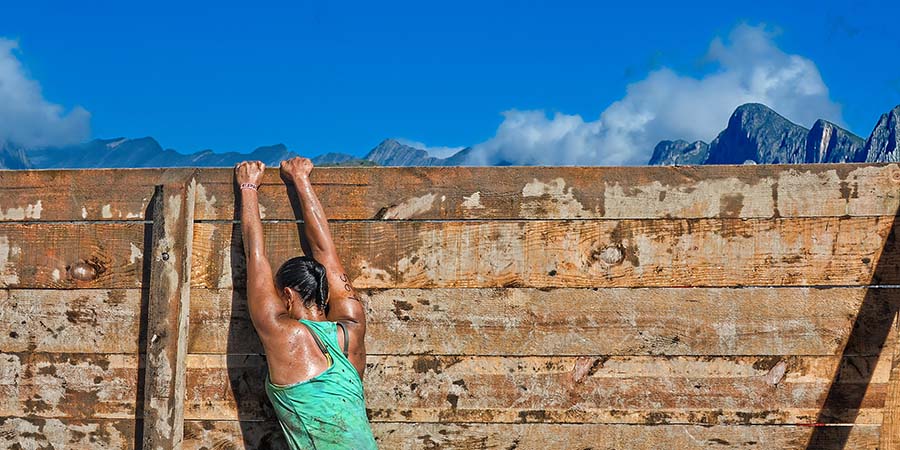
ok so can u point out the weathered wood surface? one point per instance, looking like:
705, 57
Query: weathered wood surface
71, 321
78, 195
607, 321
637, 390
890, 430
519, 321
42, 256
167, 317
28, 433
654, 253
599, 389
81, 386
703, 252
462, 193
402, 436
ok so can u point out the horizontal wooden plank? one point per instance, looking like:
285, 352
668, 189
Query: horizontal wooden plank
608, 321
627, 253
66, 195
200, 435
66, 256
70, 321
25, 433
461, 192
513, 321
578, 192
80, 386
636, 390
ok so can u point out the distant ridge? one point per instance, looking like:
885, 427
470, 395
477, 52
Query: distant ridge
755, 134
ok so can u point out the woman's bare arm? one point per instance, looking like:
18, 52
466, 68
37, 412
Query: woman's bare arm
343, 303
263, 300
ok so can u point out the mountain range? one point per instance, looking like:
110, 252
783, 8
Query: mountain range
755, 134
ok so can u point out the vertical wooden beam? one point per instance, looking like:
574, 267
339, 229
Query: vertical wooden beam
890, 425
169, 304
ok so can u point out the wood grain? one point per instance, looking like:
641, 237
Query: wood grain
607, 321
167, 321
461, 192
578, 192
600, 389
80, 195
654, 253
80, 386
71, 321
43, 255
21, 433
471, 436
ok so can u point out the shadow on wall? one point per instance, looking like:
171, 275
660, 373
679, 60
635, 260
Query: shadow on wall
864, 347
245, 373
143, 322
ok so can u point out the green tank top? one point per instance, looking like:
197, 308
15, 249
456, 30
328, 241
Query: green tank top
327, 411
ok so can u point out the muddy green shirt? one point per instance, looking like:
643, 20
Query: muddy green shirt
327, 411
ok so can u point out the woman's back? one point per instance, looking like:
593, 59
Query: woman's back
327, 411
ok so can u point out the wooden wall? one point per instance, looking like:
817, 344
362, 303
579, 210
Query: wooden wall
742, 307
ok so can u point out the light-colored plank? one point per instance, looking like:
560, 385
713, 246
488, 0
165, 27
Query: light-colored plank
761, 191
608, 321
627, 253
461, 192
67, 195
27, 433
890, 430
53, 256
70, 321
470, 436
81, 386
636, 390
518, 321
167, 317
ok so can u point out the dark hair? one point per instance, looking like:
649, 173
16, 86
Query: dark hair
306, 276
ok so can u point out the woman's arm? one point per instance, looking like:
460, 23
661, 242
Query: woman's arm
343, 303
263, 300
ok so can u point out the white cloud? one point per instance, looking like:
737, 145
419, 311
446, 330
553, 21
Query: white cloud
438, 152
26, 118
667, 105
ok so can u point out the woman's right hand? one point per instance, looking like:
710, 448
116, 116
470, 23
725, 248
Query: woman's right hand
249, 172
296, 168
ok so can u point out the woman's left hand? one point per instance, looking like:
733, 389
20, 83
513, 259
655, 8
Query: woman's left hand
249, 172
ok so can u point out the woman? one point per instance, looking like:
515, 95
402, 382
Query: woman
310, 321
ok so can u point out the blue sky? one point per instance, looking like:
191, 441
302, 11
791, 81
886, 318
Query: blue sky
341, 76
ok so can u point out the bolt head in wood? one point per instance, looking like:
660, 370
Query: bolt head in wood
165, 256
82, 271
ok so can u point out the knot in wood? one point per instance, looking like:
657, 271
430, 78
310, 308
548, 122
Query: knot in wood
895, 176
83, 271
612, 254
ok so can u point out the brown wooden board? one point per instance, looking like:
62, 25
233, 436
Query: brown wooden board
167, 321
201, 435
479, 192
624, 389
53, 256
608, 321
76, 195
24, 433
80, 386
626, 253
578, 192
518, 321
70, 321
